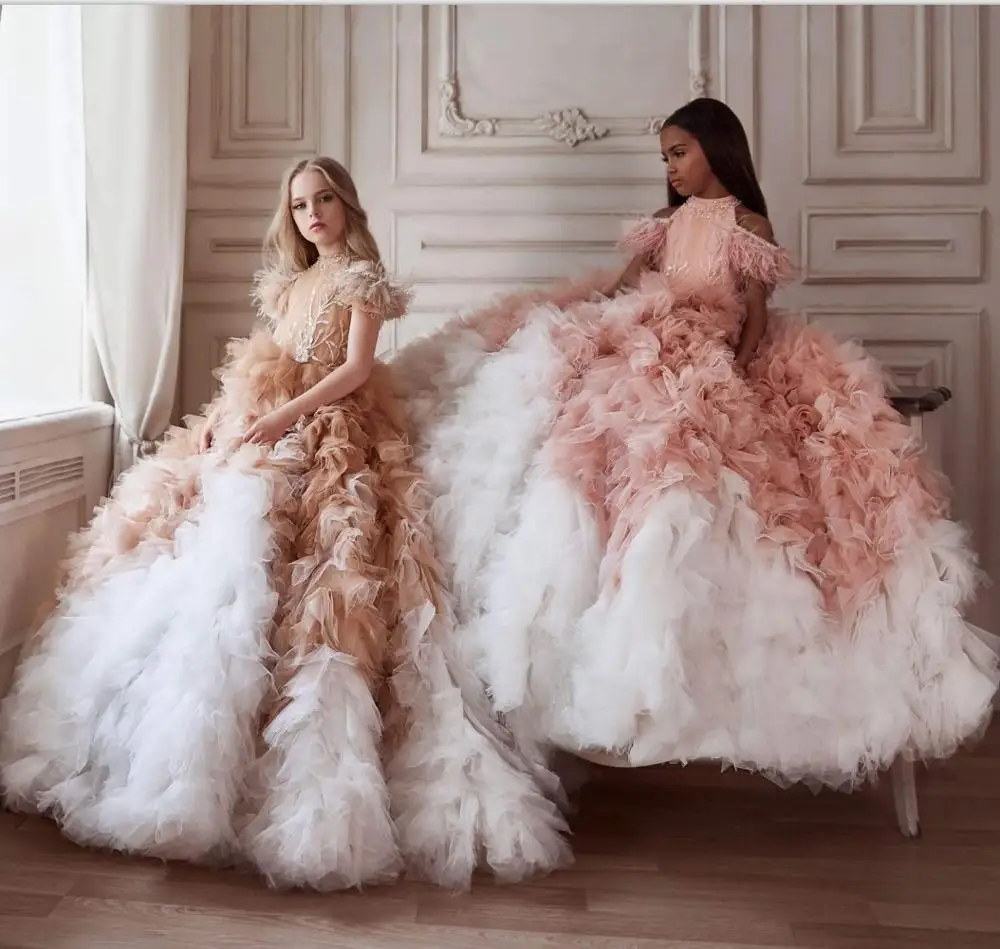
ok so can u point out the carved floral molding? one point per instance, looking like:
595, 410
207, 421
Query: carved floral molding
568, 126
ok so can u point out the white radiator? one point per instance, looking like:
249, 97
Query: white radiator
54, 469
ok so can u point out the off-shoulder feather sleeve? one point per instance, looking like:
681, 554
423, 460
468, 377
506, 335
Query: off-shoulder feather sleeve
369, 287
753, 258
646, 237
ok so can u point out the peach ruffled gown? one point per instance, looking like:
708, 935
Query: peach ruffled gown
207, 687
662, 558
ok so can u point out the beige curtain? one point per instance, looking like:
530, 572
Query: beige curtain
135, 81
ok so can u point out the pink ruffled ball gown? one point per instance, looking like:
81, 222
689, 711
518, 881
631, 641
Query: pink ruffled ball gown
658, 556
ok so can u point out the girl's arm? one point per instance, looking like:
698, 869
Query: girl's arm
640, 261
754, 324
362, 339
351, 374
754, 298
628, 276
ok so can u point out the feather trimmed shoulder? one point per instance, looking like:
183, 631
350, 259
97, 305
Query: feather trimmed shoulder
369, 286
270, 292
754, 258
646, 236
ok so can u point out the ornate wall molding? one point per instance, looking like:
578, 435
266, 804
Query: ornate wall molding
452, 121
698, 78
568, 126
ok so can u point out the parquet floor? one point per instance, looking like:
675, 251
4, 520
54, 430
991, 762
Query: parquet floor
668, 858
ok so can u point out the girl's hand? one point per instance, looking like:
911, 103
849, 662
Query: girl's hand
207, 432
270, 428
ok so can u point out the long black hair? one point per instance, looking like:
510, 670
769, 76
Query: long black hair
724, 141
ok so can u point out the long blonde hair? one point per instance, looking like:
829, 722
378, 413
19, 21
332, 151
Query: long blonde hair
292, 250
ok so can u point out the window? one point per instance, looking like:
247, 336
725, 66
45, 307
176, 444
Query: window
43, 247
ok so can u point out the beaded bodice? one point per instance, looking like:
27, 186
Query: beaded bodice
309, 312
315, 321
699, 235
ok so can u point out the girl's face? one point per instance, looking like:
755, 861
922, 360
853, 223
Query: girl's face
688, 170
317, 211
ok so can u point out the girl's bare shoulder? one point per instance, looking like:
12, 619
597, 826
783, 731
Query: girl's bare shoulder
756, 224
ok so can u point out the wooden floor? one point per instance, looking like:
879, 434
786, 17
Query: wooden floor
665, 858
